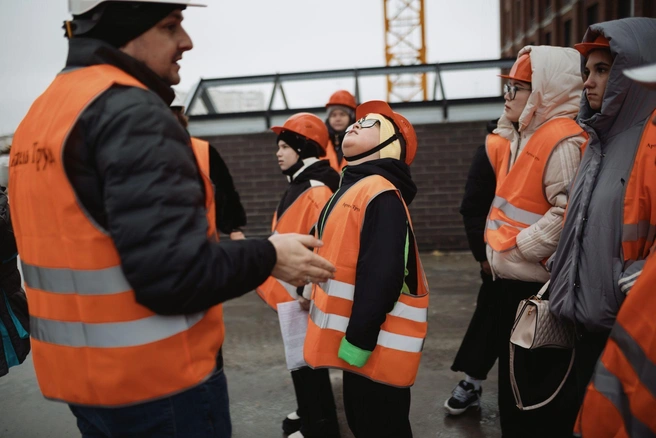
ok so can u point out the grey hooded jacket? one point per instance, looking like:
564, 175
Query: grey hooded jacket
589, 278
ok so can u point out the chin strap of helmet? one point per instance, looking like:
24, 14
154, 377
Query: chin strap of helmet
387, 142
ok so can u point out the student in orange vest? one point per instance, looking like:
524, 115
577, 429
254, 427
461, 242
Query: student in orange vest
122, 270
621, 397
341, 114
607, 233
301, 141
370, 320
229, 213
535, 152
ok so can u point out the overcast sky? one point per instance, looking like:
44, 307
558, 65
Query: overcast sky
240, 38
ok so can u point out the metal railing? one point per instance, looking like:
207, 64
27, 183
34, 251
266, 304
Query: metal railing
202, 90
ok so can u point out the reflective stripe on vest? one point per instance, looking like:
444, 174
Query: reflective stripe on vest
639, 228
111, 335
92, 343
385, 338
106, 281
395, 359
300, 217
520, 200
623, 388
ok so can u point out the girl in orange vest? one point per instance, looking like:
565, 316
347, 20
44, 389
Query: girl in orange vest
341, 114
535, 152
370, 319
301, 141
620, 400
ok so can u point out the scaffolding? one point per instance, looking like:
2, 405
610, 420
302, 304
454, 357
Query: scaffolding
405, 44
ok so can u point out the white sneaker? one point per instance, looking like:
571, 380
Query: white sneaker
297, 434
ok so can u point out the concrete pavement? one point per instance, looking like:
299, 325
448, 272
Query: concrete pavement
261, 390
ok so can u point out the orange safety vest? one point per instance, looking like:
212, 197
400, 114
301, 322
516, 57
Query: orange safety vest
300, 217
92, 343
621, 398
201, 150
639, 227
331, 156
395, 360
520, 200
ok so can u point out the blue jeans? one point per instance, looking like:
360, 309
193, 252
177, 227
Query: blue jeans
200, 412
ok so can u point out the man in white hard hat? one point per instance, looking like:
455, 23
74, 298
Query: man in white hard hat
112, 218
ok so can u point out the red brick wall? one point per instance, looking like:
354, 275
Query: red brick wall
439, 170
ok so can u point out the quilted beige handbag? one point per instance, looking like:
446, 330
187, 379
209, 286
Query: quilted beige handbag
536, 327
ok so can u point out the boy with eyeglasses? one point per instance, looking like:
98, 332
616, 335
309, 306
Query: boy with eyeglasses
535, 152
370, 320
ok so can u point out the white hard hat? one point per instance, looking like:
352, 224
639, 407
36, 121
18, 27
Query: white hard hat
77, 7
644, 75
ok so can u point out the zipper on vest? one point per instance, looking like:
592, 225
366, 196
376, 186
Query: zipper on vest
325, 213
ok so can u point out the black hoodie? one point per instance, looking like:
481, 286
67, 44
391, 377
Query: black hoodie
381, 258
479, 194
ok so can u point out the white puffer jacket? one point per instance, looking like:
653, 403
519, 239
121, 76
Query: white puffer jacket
556, 92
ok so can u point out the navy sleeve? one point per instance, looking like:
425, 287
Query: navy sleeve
380, 269
475, 206
230, 214
154, 203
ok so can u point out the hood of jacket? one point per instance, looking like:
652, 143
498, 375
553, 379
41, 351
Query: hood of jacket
556, 88
393, 170
319, 170
86, 52
299, 182
625, 103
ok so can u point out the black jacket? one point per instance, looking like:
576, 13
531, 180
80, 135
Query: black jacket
13, 304
230, 214
381, 258
319, 171
479, 194
132, 168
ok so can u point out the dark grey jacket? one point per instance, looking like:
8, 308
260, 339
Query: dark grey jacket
589, 264
132, 168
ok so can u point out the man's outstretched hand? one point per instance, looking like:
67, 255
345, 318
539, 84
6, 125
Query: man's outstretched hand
296, 263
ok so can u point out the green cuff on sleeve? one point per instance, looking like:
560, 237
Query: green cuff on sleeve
353, 355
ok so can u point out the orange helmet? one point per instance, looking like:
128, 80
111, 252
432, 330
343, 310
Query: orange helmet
521, 70
342, 97
307, 125
402, 124
600, 42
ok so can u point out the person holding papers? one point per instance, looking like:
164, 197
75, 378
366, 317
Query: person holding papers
301, 141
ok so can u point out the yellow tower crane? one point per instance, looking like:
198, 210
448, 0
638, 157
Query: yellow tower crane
405, 44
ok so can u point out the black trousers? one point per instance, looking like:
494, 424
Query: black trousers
538, 374
589, 347
375, 410
479, 348
316, 403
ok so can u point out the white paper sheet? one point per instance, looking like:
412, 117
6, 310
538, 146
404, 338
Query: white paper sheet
293, 326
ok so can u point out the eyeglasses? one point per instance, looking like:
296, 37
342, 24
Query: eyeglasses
511, 90
364, 123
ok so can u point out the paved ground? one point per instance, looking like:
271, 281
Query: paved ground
260, 387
